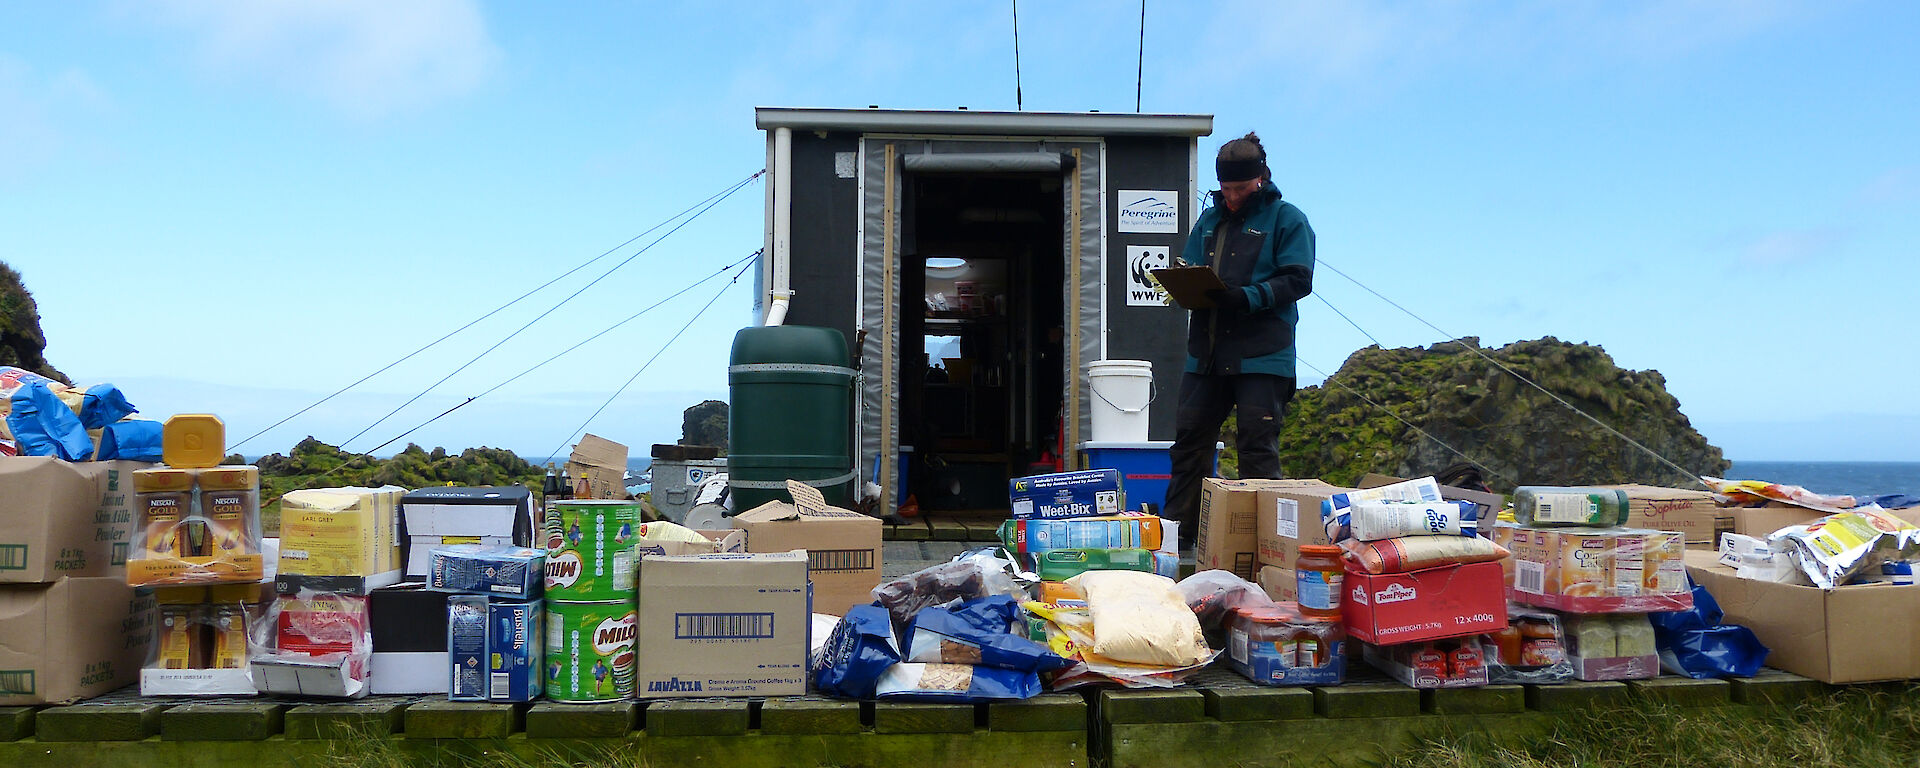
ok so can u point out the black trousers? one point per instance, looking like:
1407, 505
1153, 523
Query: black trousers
1205, 401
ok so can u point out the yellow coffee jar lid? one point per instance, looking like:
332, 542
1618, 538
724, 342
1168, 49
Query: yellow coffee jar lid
193, 441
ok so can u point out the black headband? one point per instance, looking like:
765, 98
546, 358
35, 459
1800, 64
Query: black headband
1239, 170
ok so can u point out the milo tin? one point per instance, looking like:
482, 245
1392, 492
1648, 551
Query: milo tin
590, 651
590, 555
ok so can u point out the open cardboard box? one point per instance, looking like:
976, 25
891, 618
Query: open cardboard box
843, 546
1852, 634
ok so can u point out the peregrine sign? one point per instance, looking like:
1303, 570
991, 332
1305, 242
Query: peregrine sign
1150, 210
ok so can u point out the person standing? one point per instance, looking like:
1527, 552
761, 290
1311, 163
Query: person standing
1240, 352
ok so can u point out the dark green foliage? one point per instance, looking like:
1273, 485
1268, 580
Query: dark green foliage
1348, 427
22, 344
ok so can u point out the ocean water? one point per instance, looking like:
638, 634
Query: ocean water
1857, 478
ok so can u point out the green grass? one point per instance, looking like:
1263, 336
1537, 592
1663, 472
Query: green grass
1865, 726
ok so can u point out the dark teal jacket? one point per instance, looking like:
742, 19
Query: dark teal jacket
1268, 255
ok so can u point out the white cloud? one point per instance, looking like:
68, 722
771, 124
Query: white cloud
1897, 185
367, 58
1794, 246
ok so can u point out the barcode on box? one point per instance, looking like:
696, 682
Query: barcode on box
119, 553
722, 626
839, 559
499, 683
16, 681
1530, 577
13, 557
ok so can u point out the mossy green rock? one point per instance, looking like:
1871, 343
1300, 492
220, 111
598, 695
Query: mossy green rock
1364, 418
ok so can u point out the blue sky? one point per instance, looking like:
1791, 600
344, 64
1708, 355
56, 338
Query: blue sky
239, 206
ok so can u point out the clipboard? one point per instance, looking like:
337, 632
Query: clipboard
1189, 285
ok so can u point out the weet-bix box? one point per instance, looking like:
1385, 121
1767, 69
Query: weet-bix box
1085, 493
494, 645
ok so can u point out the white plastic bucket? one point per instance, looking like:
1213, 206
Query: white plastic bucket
1122, 390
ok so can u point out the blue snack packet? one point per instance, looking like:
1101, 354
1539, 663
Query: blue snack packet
959, 683
859, 651
938, 636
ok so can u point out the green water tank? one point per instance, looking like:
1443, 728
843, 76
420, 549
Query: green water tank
790, 415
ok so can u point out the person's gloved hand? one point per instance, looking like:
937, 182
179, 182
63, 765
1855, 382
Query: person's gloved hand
1232, 301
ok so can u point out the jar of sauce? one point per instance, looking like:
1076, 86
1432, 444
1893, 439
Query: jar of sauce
1319, 574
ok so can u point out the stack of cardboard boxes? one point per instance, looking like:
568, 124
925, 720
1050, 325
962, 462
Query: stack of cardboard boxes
197, 545
337, 545
70, 626
1603, 580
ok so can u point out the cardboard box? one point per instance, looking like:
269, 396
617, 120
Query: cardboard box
339, 540
186, 618
843, 547
71, 639
490, 515
64, 519
1287, 517
412, 673
1429, 604
409, 626
1227, 537
1761, 522
1599, 570
1396, 662
420, 549
1615, 668
1851, 634
723, 625
1693, 514
1280, 584
598, 468
338, 675
408, 618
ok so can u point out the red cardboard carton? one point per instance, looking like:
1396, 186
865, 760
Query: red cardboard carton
1429, 604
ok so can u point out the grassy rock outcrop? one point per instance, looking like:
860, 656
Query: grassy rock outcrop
1348, 426
22, 344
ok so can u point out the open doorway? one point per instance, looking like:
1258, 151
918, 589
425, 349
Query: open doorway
982, 332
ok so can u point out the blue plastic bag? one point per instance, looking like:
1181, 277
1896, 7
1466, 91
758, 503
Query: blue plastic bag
130, 440
1694, 642
859, 651
42, 425
104, 405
